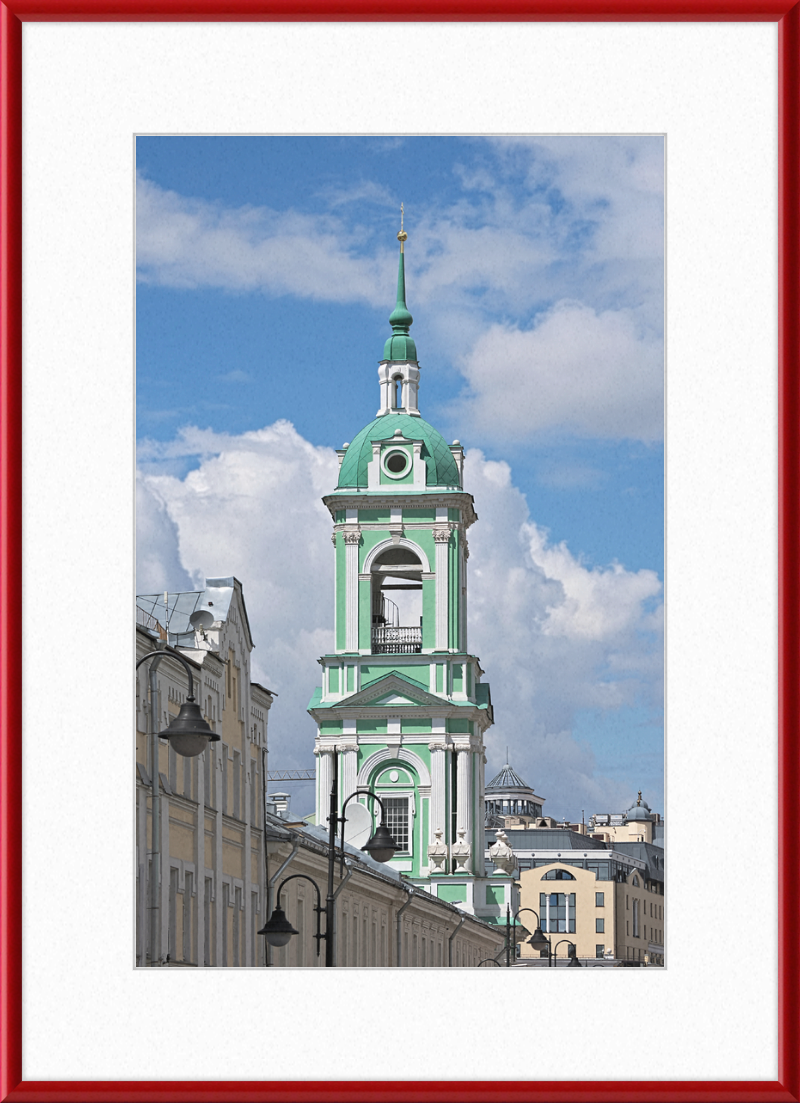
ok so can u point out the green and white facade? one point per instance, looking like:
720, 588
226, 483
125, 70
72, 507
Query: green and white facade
402, 702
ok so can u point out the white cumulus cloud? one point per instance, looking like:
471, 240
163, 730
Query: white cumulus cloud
576, 370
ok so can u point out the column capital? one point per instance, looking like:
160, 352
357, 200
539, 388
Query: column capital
441, 534
440, 746
351, 536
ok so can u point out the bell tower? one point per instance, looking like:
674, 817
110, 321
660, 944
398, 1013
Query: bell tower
402, 701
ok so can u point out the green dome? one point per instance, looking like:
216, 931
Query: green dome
442, 469
400, 346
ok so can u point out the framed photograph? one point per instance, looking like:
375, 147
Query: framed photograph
719, 83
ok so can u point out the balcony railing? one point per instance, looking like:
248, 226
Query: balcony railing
396, 641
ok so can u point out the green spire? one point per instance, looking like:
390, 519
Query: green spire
400, 346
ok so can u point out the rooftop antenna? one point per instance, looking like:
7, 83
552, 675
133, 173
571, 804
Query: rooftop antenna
166, 613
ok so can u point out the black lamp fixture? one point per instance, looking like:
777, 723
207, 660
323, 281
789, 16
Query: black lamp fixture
188, 732
381, 846
278, 930
538, 940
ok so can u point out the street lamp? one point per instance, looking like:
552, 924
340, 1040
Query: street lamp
491, 961
278, 930
381, 847
537, 939
572, 955
189, 734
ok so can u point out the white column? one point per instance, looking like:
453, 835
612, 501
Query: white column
441, 536
324, 779
349, 761
479, 831
438, 783
463, 586
351, 542
464, 809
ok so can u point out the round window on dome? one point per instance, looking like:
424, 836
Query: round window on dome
396, 463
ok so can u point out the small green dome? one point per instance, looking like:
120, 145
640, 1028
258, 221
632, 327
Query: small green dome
442, 469
400, 346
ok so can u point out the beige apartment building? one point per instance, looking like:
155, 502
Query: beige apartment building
210, 898
621, 919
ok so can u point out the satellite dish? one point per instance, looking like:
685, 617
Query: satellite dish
201, 620
358, 826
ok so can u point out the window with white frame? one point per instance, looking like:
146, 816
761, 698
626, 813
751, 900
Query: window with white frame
397, 820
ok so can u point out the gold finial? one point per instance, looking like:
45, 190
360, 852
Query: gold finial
402, 237
639, 801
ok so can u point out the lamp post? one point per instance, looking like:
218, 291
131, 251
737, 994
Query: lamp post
380, 846
537, 939
573, 955
491, 961
189, 734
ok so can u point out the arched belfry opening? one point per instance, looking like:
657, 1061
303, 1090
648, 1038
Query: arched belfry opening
396, 602
397, 384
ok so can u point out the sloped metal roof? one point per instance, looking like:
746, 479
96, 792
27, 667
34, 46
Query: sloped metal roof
508, 779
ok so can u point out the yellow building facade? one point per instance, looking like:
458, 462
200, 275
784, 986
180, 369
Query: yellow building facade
210, 895
621, 919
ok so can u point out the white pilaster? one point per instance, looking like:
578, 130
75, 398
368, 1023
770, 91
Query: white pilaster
464, 809
349, 760
441, 536
438, 782
479, 832
352, 539
324, 779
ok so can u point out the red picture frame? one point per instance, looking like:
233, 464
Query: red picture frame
14, 13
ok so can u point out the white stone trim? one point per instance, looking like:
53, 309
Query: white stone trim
351, 591
403, 542
442, 549
405, 755
464, 801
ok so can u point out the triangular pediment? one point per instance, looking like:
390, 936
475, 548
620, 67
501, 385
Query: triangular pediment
393, 691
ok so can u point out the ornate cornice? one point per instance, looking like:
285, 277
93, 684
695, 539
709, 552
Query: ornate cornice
458, 499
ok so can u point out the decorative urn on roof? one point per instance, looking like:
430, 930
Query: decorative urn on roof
461, 852
437, 853
501, 853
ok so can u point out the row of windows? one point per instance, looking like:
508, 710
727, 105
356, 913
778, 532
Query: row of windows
182, 779
181, 944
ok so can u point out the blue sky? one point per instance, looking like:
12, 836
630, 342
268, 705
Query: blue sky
266, 274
